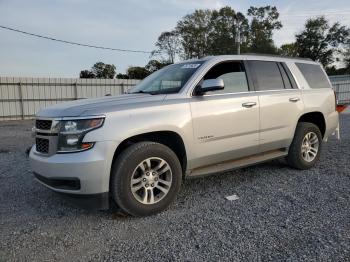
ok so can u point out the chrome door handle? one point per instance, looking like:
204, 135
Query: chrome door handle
294, 99
249, 104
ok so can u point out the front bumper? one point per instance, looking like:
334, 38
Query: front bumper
84, 173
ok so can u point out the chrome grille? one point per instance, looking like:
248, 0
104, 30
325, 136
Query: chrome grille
42, 145
43, 124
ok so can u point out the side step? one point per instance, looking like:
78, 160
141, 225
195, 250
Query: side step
237, 163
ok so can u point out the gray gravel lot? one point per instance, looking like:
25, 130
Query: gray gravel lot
281, 214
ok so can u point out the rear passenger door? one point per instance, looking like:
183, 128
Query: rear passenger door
280, 103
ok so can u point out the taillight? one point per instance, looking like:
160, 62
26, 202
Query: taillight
339, 108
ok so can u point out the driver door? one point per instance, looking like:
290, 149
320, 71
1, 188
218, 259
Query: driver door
225, 122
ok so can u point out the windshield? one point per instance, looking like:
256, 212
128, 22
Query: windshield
167, 80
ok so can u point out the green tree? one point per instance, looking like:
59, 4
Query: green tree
86, 74
99, 70
224, 24
264, 20
347, 57
333, 70
122, 76
154, 65
168, 45
320, 41
194, 32
137, 72
288, 50
102, 70
211, 32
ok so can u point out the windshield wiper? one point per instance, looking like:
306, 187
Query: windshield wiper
143, 92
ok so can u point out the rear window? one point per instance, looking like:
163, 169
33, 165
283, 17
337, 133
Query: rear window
314, 75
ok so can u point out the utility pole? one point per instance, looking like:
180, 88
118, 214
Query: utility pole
238, 39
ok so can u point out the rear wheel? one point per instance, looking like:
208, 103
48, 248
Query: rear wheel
306, 146
145, 178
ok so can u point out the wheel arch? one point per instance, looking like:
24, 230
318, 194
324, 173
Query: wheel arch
317, 118
168, 138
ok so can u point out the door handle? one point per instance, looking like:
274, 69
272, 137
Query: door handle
294, 99
249, 104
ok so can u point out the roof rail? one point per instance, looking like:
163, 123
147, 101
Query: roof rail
281, 56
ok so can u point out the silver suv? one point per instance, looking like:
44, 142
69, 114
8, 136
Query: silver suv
188, 119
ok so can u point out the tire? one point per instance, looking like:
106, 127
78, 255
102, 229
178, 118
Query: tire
297, 156
145, 161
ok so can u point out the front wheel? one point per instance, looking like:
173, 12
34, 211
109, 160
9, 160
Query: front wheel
306, 146
146, 178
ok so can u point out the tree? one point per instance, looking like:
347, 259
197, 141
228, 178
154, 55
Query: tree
264, 20
347, 57
320, 41
168, 44
122, 76
211, 32
137, 72
288, 50
86, 74
154, 65
193, 30
99, 70
333, 70
224, 24
102, 70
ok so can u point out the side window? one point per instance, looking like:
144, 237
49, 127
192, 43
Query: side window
285, 78
314, 75
290, 76
233, 75
266, 75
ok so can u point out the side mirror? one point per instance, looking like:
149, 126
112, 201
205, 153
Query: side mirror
209, 85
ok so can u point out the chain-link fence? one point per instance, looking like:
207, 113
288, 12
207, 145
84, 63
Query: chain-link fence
341, 85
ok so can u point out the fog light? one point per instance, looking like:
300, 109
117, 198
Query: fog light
72, 140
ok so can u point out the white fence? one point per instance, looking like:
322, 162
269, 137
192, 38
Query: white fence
22, 98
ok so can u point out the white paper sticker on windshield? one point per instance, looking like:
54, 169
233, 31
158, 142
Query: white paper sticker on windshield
190, 65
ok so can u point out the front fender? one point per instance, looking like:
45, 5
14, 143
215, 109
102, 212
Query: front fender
123, 124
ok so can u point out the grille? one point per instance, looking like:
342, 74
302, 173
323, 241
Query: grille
43, 124
42, 145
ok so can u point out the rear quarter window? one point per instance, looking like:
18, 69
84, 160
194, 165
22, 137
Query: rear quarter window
314, 75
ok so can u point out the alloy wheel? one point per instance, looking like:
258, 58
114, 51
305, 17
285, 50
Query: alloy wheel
151, 180
309, 147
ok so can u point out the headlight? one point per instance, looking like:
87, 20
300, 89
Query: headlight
72, 132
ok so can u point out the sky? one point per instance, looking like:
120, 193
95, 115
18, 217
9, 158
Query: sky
125, 24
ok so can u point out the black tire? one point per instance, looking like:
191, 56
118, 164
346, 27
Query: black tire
295, 158
122, 172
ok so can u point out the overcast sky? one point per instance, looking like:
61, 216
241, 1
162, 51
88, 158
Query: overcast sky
126, 24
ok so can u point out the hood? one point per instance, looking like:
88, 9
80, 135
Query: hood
98, 106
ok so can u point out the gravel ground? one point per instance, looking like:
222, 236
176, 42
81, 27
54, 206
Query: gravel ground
281, 214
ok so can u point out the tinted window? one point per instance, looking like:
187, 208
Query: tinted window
314, 75
290, 76
285, 78
266, 75
233, 75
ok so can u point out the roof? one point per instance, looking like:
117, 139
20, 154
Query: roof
251, 56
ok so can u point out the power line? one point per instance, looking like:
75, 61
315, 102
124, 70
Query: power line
74, 43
